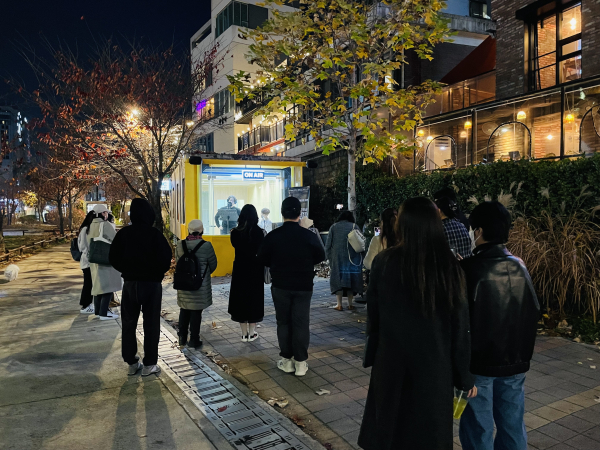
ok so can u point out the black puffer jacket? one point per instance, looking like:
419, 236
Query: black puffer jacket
504, 312
141, 252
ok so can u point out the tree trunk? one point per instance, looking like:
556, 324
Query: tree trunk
70, 212
2, 245
352, 172
155, 202
61, 218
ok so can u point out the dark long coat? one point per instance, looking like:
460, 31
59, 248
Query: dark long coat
418, 361
247, 294
344, 262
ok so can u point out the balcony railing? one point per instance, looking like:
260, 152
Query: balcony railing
471, 92
261, 135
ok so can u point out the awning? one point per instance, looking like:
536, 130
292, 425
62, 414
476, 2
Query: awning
479, 61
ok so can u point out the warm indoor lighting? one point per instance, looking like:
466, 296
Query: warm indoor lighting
463, 134
429, 138
468, 125
521, 115
573, 23
569, 118
135, 112
421, 133
190, 123
549, 137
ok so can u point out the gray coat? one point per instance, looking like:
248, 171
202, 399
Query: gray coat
344, 262
202, 298
105, 279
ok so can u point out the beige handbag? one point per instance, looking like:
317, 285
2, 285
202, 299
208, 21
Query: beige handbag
357, 240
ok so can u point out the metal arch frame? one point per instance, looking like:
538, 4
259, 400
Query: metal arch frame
581, 125
441, 136
487, 150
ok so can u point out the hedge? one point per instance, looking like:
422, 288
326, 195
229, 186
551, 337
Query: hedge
553, 186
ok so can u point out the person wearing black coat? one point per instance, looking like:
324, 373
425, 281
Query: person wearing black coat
451, 195
247, 293
418, 331
143, 255
504, 312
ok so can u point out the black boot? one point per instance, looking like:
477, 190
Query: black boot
195, 343
182, 341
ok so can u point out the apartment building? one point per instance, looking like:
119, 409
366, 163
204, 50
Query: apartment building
239, 131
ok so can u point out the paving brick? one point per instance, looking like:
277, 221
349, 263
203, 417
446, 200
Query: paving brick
540, 440
557, 432
583, 443
342, 426
330, 415
549, 413
575, 423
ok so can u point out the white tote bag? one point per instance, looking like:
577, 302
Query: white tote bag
357, 240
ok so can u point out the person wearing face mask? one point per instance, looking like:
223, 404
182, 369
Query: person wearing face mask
227, 217
504, 312
457, 235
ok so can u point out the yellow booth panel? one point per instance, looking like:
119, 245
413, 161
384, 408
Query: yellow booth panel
225, 254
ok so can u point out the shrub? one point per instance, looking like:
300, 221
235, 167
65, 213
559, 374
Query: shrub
28, 220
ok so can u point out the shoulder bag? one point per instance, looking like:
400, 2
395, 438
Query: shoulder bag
99, 249
358, 243
267, 274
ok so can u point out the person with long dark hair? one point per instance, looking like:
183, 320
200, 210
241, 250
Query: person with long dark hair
386, 238
346, 264
456, 233
418, 321
247, 294
86, 299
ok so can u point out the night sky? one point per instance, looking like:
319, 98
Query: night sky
79, 22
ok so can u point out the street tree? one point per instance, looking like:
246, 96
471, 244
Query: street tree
125, 110
336, 83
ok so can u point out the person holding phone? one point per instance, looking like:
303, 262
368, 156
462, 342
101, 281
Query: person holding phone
385, 237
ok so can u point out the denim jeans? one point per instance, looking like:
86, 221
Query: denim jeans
500, 400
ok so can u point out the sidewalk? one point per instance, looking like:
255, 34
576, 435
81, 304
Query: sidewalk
562, 389
63, 384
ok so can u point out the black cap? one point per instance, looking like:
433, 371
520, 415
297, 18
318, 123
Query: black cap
290, 208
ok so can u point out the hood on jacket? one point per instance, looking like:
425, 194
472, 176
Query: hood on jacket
141, 212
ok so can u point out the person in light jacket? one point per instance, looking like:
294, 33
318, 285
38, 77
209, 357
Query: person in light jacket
86, 301
346, 265
105, 279
192, 303
386, 239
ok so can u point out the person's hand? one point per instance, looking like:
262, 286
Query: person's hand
472, 393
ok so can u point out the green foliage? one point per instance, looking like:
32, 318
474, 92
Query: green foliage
586, 329
528, 187
28, 220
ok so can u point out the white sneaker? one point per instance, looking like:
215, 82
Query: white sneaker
301, 368
88, 309
253, 337
133, 368
287, 365
109, 316
149, 370
245, 338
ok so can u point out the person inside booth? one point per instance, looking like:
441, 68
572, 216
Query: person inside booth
227, 216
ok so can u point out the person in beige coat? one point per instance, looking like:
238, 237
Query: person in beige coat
105, 279
192, 303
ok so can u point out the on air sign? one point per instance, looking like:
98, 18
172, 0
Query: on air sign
253, 175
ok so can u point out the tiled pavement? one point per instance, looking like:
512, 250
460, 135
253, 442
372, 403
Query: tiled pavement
562, 390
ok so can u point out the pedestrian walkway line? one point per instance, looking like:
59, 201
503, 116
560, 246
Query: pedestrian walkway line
238, 418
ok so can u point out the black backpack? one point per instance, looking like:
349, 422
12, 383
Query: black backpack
186, 276
75, 253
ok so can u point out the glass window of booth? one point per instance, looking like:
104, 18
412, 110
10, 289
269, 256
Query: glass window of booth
225, 190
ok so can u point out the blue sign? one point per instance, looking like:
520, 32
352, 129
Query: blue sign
253, 175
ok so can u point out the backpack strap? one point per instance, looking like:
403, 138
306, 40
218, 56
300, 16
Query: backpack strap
197, 247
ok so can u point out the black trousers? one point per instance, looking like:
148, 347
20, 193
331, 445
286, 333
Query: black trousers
86, 291
144, 296
101, 303
191, 319
292, 311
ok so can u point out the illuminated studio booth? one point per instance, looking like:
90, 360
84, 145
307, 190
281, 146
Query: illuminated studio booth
200, 188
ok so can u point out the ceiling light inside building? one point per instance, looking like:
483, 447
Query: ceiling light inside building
569, 118
521, 115
421, 133
573, 23
429, 138
549, 137
463, 134
468, 125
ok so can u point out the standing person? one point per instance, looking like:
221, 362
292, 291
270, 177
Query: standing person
227, 216
86, 301
105, 279
265, 223
504, 314
346, 265
456, 233
386, 238
418, 315
291, 252
247, 293
451, 194
192, 303
143, 255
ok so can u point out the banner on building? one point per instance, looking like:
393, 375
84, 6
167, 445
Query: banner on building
302, 194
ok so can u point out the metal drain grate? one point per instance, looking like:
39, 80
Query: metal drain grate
239, 419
